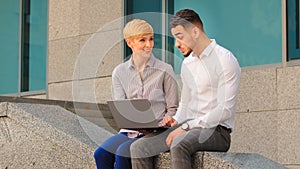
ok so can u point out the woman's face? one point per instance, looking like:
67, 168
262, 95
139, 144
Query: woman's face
142, 46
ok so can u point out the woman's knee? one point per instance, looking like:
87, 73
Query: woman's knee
123, 150
101, 153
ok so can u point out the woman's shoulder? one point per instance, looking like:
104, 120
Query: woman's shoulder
121, 67
162, 64
166, 67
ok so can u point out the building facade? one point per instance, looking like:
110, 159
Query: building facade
67, 50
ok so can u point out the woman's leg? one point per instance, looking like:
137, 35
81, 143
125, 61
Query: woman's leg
123, 160
105, 154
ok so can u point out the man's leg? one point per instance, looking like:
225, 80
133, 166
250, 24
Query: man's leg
143, 149
197, 139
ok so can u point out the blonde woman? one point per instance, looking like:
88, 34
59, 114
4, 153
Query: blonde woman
142, 76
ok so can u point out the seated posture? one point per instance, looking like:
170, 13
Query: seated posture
142, 76
205, 116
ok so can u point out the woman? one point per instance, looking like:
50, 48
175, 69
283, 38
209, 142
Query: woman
142, 76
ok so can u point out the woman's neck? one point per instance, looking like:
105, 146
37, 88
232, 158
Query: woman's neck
140, 61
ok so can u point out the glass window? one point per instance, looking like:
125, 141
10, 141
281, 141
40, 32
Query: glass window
293, 29
137, 9
23, 46
252, 30
153, 12
35, 45
9, 46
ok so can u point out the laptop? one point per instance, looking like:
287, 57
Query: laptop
134, 114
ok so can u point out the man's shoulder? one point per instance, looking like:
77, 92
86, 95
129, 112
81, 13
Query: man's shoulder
226, 58
223, 53
221, 50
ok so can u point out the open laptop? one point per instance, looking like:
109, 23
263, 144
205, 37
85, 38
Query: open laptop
135, 114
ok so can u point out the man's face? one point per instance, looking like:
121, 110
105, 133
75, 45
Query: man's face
185, 50
184, 40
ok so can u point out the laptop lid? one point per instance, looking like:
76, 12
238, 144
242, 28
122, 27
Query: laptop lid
133, 114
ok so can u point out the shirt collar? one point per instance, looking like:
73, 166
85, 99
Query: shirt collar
207, 50
150, 62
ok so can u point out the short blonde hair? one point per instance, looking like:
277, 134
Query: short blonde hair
136, 28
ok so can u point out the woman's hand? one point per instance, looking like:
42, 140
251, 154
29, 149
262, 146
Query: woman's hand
168, 121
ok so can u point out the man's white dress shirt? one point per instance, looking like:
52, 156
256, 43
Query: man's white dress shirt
209, 88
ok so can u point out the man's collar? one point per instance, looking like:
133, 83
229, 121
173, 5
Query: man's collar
207, 50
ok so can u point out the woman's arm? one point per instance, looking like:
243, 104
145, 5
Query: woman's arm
118, 92
171, 91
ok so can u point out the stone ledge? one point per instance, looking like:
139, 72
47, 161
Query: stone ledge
68, 105
82, 109
3, 110
47, 128
218, 160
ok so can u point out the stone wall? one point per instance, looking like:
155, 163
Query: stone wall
84, 47
268, 114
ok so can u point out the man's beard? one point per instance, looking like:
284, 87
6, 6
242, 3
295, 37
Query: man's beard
187, 54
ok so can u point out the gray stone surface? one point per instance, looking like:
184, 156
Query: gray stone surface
64, 57
97, 113
289, 137
242, 160
47, 136
4, 130
256, 132
64, 19
217, 160
60, 91
93, 15
3, 110
257, 90
288, 90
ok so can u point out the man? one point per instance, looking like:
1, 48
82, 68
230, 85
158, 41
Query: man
205, 116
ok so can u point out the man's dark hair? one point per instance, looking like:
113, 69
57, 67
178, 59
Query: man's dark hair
186, 17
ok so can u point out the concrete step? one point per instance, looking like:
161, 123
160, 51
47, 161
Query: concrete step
220, 160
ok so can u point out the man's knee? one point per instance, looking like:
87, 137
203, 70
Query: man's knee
135, 149
139, 149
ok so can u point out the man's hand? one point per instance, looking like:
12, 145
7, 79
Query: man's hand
168, 121
177, 132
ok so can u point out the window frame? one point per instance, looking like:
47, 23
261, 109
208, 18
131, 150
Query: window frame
166, 8
23, 69
293, 32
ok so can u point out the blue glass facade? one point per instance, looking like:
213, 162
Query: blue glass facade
252, 30
23, 45
9, 46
